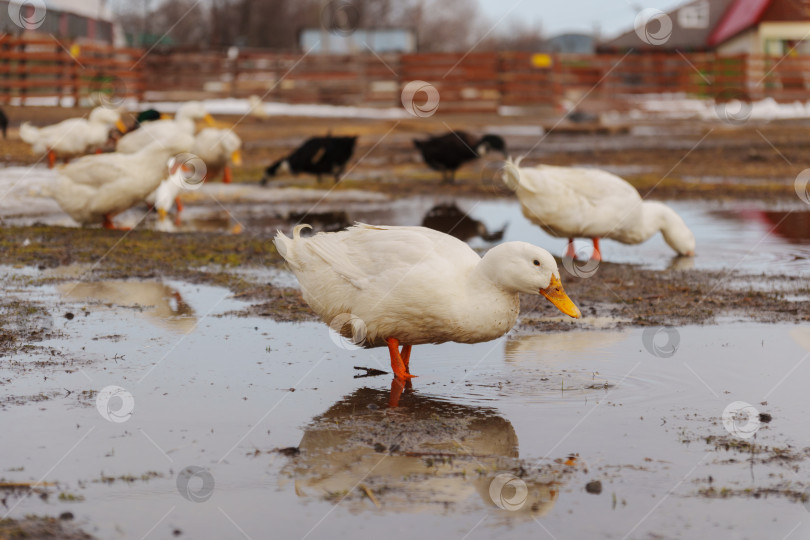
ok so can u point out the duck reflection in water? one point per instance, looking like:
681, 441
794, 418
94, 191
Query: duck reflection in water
450, 219
164, 305
425, 455
322, 221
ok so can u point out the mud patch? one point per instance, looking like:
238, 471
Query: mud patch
42, 528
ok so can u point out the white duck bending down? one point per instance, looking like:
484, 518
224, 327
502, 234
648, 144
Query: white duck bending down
93, 189
218, 148
413, 285
184, 122
571, 202
74, 136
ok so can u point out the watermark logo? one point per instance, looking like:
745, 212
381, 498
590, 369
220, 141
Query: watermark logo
580, 265
801, 185
27, 14
422, 109
508, 492
500, 177
653, 26
741, 419
661, 341
188, 171
195, 484
109, 92
115, 404
340, 18
806, 499
733, 107
344, 324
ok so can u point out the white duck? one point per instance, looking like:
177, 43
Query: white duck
571, 202
413, 285
93, 189
217, 148
184, 122
257, 109
74, 136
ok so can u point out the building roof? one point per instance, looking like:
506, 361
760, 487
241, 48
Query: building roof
702, 25
740, 16
692, 24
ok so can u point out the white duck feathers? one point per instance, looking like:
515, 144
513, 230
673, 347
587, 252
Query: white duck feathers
102, 185
415, 284
581, 202
73, 136
184, 122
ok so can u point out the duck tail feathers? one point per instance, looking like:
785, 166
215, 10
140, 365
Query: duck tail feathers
511, 173
28, 133
298, 228
284, 244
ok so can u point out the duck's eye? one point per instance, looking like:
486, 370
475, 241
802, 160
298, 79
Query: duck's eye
536, 262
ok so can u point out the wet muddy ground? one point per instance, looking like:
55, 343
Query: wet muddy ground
234, 413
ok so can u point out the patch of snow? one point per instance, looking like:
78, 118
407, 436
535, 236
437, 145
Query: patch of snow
733, 111
232, 106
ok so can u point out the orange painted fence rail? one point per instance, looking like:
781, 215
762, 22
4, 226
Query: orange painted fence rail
471, 82
46, 68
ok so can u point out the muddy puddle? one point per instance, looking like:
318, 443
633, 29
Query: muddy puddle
751, 237
147, 396
741, 236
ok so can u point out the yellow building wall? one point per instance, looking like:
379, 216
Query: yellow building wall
768, 38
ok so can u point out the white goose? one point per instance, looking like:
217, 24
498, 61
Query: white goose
413, 285
571, 202
184, 122
74, 136
93, 189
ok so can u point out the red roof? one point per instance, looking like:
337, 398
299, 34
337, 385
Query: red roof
741, 15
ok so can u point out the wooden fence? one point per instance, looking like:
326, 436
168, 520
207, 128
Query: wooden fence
474, 82
36, 68
479, 82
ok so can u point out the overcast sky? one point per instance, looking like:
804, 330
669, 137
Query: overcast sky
556, 16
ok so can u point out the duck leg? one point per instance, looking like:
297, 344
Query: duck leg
597, 255
570, 251
227, 175
398, 364
179, 204
406, 357
51, 159
108, 224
